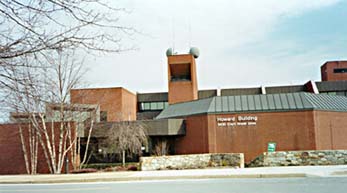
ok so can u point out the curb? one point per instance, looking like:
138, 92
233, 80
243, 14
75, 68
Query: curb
122, 179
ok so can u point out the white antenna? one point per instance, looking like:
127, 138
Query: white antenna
190, 33
173, 34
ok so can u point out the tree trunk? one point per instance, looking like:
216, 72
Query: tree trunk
24, 150
87, 146
123, 158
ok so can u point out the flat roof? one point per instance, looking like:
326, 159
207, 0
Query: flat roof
257, 103
323, 86
102, 88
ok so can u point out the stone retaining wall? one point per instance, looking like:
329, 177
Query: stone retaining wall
301, 158
192, 161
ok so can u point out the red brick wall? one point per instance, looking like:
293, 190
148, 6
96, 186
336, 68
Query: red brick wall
119, 103
290, 130
129, 106
12, 157
196, 138
181, 92
331, 130
302, 130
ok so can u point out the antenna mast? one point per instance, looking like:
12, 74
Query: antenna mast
173, 34
190, 33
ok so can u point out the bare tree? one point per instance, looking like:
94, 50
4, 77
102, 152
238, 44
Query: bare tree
84, 117
161, 148
84, 160
38, 41
126, 138
33, 26
33, 30
49, 86
25, 100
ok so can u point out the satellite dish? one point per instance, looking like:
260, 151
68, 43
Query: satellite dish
169, 52
194, 51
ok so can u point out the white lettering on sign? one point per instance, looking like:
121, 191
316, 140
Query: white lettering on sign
221, 124
237, 121
247, 118
225, 119
231, 124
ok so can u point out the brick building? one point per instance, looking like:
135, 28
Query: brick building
334, 71
231, 124
296, 117
300, 117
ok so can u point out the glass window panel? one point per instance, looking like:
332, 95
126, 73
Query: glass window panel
331, 93
342, 93
160, 105
154, 106
147, 106
166, 104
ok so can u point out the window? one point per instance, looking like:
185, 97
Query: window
147, 106
160, 105
340, 70
152, 106
341, 93
103, 115
331, 93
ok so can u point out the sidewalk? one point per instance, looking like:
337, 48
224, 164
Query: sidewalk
263, 172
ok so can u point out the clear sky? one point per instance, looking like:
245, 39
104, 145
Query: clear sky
243, 43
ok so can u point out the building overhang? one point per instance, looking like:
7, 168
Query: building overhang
162, 127
165, 127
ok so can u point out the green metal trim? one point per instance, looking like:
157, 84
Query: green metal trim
257, 103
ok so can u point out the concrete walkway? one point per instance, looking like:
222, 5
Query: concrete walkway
263, 172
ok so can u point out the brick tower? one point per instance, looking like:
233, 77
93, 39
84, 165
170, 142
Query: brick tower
182, 78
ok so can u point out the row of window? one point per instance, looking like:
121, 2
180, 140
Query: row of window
145, 106
339, 93
153, 106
